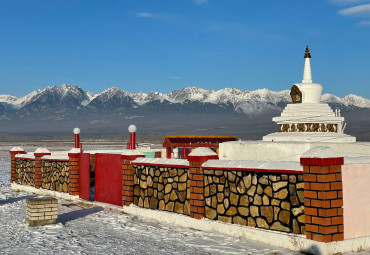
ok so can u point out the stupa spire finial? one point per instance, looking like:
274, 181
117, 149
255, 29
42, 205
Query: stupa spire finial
307, 76
307, 54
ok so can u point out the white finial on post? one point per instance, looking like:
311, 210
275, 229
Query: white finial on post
132, 129
307, 75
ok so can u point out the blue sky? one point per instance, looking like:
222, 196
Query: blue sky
162, 45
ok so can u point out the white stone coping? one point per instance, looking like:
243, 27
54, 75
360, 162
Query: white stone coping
321, 152
28, 155
17, 149
162, 161
132, 153
74, 150
103, 151
58, 155
357, 160
42, 150
202, 151
253, 164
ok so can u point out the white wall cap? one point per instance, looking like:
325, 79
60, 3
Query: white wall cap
202, 151
75, 150
320, 152
162, 161
76, 131
42, 150
17, 149
132, 152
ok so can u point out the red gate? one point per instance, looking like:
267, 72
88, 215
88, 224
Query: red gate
84, 176
108, 178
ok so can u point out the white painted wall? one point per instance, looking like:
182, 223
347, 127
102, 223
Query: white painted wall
356, 200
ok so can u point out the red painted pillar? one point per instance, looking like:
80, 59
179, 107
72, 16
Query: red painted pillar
323, 195
168, 152
74, 173
128, 172
132, 129
133, 141
40, 152
196, 177
184, 153
77, 131
13, 173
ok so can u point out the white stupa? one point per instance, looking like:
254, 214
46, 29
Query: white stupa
304, 124
307, 118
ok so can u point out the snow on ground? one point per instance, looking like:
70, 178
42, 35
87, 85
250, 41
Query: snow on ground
84, 230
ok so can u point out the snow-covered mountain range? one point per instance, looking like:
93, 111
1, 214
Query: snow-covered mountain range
243, 101
56, 110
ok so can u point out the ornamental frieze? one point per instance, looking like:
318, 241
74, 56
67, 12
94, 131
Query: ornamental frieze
308, 127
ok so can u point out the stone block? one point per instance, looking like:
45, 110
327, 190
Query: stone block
41, 211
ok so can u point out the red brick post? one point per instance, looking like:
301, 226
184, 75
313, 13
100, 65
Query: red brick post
74, 172
40, 152
323, 195
13, 173
196, 177
128, 173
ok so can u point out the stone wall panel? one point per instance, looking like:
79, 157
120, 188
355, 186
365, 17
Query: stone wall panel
265, 200
162, 188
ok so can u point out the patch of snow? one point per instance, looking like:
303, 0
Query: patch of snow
17, 149
28, 155
320, 152
253, 164
42, 150
202, 151
74, 150
162, 161
103, 151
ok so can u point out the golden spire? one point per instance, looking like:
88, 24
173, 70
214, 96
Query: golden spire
307, 54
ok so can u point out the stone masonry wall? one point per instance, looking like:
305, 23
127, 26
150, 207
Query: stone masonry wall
55, 175
25, 171
162, 188
256, 199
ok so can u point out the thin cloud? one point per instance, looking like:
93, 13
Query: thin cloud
144, 15
347, 2
359, 11
199, 2
363, 23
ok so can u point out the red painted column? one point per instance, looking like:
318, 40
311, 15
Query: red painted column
40, 152
196, 178
168, 152
74, 173
13, 172
77, 131
128, 172
323, 196
184, 153
133, 141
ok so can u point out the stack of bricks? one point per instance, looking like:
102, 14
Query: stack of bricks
41, 211
323, 198
14, 151
74, 176
128, 172
40, 152
196, 178
197, 202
